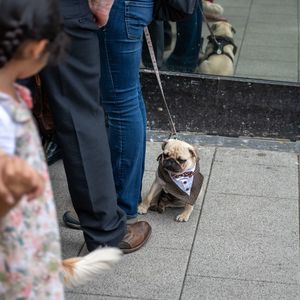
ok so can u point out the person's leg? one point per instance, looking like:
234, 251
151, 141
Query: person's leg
79, 119
185, 56
120, 47
168, 35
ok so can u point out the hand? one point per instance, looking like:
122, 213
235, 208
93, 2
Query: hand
100, 9
17, 179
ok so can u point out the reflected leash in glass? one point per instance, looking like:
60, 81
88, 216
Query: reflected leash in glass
173, 132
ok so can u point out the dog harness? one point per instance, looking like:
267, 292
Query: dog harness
219, 42
173, 189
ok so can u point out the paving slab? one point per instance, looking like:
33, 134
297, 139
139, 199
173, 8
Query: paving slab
236, 11
244, 216
270, 40
72, 242
238, 22
249, 238
290, 10
240, 3
277, 2
169, 234
250, 52
56, 171
152, 152
258, 27
146, 274
270, 25
148, 179
72, 296
257, 157
275, 19
256, 180
208, 288
267, 68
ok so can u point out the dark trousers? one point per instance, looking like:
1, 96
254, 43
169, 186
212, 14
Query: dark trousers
73, 89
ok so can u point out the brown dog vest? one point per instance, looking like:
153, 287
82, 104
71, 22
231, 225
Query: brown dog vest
177, 195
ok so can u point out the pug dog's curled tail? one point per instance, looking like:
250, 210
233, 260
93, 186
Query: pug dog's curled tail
212, 8
79, 270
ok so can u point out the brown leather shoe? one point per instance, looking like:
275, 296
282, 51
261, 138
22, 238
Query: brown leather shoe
137, 235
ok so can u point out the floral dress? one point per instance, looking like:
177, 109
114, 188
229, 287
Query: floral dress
30, 254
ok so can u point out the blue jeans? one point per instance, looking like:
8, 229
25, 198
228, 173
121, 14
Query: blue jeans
185, 56
120, 56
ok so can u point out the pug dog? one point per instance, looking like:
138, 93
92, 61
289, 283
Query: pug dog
220, 51
178, 180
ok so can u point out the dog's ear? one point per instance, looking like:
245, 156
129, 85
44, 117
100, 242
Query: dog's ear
163, 145
193, 152
159, 157
233, 30
214, 27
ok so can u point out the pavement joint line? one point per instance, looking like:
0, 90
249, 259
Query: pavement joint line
245, 280
298, 9
169, 248
257, 164
256, 196
110, 296
243, 38
81, 248
198, 222
299, 199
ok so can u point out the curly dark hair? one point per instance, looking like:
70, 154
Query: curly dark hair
22, 20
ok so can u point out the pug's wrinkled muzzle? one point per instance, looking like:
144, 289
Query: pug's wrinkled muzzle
171, 165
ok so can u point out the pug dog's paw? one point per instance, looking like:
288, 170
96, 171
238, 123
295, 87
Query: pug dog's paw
183, 217
142, 209
161, 209
153, 207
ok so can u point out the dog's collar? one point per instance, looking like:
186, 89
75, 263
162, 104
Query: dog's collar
187, 173
184, 174
219, 42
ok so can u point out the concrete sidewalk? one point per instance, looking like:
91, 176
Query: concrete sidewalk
242, 240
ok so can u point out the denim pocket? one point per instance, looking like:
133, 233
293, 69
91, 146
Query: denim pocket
138, 14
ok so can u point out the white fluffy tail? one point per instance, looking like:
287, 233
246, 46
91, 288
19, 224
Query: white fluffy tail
212, 8
79, 270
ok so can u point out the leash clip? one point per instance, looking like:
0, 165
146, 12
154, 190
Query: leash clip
219, 51
173, 135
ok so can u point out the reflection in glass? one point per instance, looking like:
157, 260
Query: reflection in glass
266, 39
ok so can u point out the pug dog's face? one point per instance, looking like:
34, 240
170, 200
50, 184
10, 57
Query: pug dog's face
177, 156
222, 28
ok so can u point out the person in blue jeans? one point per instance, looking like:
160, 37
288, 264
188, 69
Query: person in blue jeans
185, 56
120, 55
